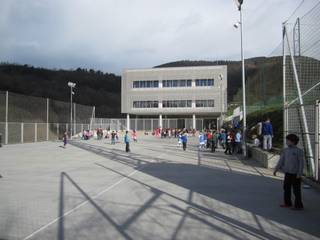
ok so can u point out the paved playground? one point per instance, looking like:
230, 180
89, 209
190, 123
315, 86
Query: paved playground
94, 190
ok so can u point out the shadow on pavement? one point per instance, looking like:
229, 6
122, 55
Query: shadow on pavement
248, 192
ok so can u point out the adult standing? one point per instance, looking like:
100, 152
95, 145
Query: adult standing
127, 141
267, 132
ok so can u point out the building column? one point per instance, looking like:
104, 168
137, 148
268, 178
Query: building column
128, 122
194, 121
160, 120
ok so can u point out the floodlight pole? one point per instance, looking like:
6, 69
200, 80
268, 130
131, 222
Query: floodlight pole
71, 85
221, 102
244, 110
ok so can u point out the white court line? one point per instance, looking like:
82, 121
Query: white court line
80, 205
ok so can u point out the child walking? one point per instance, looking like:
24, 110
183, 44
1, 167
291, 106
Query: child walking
291, 163
184, 139
127, 141
65, 139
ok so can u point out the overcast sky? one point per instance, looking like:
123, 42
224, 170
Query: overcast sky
111, 35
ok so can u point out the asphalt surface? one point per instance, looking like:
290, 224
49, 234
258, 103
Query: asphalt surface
95, 190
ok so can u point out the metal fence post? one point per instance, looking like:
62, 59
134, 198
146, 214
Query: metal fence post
6, 125
285, 110
35, 132
47, 119
317, 140
22, 131
303, 113
74, 120
57, 131
81, 127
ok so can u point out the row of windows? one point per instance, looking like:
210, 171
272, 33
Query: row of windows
177, 103
177, 83
145, 84
145, 104
173, 104
204, 103
173, 83
204, 82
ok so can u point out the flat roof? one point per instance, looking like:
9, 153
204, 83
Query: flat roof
173, 68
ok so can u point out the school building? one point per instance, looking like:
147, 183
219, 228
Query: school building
174, 97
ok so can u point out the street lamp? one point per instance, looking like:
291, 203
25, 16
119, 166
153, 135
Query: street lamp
237, 25
71, 85
221, 99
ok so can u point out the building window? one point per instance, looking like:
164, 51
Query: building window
146, 84
204, 82
145, 104
176, 103
205, 103
176, 83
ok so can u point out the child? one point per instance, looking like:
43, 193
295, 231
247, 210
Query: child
127, 141
184, 139
179, 139
201, 141
65, 139
113, 138
228, 141
291, 163
134, 136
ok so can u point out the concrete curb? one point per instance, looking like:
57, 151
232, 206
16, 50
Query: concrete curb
312, 183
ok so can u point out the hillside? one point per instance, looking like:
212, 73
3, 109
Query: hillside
94, 88
263, 78
103, 90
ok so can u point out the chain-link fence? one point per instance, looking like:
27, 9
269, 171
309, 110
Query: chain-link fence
146, 124
32, 119
301, 88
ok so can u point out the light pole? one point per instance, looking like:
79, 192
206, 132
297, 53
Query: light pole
244, 110
221, 100
71, 85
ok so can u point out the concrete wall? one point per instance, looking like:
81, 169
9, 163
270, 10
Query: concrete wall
267, 159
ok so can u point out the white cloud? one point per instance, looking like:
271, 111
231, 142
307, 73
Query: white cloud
114, 34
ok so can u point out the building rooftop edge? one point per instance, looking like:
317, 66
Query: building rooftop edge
172, 68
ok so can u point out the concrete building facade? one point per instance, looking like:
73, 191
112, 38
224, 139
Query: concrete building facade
177, 92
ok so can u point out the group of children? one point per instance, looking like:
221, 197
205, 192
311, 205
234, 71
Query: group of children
230, 141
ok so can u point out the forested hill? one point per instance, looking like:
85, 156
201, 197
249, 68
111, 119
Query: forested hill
263, 77
94, 88
103, 90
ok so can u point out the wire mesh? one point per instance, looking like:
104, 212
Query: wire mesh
22, 108
2, 107
303, 39
33, 119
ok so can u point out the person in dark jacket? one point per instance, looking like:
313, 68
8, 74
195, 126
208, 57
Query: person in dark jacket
291, 163
184, 139
127, 141
267, 133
